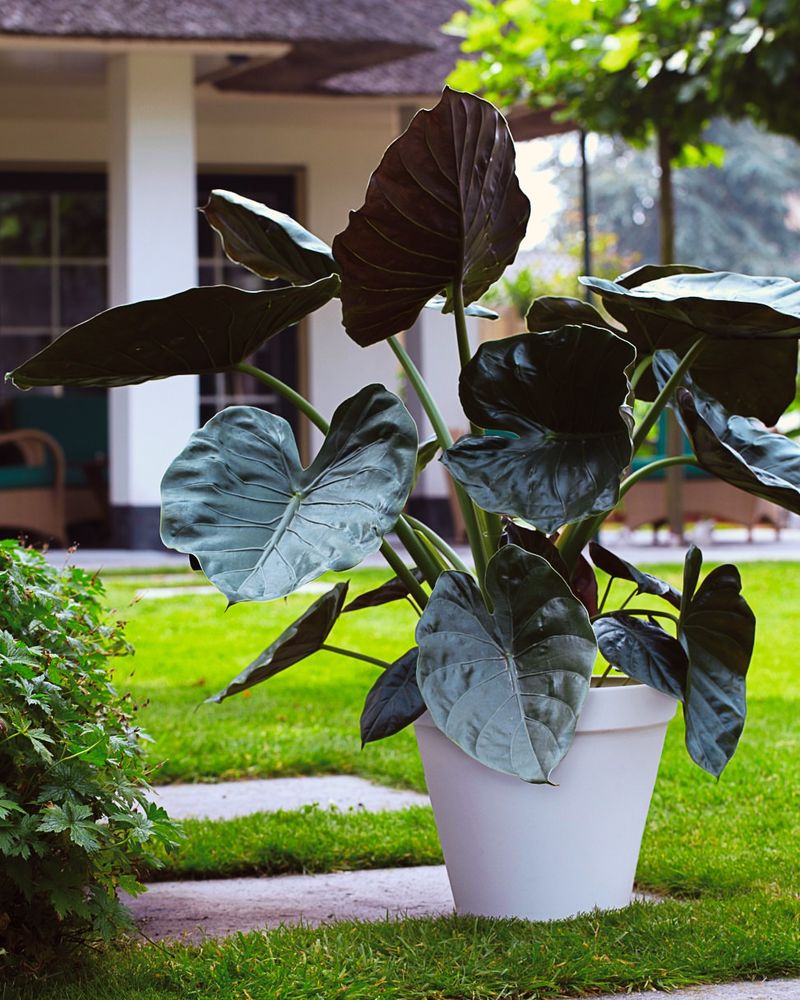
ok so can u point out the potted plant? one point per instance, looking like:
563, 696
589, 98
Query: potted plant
504, 654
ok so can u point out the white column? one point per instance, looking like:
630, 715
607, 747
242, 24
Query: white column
153, 247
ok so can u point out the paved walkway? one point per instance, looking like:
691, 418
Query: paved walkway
723, 545
228, 799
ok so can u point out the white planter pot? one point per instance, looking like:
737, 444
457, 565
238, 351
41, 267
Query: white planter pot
541, 852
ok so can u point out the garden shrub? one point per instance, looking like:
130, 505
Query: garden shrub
75, 823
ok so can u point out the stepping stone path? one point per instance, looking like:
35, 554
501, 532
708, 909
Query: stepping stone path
217, 907
228, 799
193, 910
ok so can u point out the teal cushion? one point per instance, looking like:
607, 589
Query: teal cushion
25, 476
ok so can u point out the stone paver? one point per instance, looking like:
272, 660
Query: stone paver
726, 545
227, 799
775, 989
218, 907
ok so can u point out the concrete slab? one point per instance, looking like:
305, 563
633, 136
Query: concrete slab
218, 907
228, 799
725, 545
776, 989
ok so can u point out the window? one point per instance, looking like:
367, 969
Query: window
53, 259
54, 273
279, 355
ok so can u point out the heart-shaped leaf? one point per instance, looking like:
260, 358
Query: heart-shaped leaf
394, 701
619, 569
741, 451
302, 638
582, 581
751, 376
717, 630
715, 303
550, 312
643, 651
393, 590
196, 332
267, 242
443, 208
535, 541
562, 393
507, 687
260, 524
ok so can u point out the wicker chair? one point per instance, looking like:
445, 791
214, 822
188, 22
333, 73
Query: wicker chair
32, 489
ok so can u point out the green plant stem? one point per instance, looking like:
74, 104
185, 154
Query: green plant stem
445, 439
356, 656
316, 418
646, 470
417, 550
640, 369
488, 523
606, 592
404, 573
666, 394
640, 611
438, 542
288, 393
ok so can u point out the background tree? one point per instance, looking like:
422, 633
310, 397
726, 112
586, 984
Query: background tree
741, 216
637, 69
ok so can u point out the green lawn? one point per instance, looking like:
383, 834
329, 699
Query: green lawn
727, 852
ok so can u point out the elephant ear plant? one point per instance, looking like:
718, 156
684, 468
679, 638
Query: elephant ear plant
504, 654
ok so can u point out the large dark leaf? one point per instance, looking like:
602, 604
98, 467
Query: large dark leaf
260, 524
618, 568
643, 651
302, 638
582, 581
716, 303
741, 451
439, 304
550, 312
443, 208
754, 376
717, 629
507, 687
535, 541
393, 590
196, 332
562, 394
268, 242
394, 700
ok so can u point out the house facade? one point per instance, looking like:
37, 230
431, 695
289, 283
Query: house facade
117, 119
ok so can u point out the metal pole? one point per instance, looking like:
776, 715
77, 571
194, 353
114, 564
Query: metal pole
585, 212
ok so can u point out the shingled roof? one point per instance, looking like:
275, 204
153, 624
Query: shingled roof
208, 20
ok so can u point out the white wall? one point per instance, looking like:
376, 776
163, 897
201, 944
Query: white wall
335, 142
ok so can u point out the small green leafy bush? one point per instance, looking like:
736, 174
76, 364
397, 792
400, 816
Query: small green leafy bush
75, 822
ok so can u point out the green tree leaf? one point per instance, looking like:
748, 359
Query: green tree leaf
301, 639
507, 686
561, 394
195, 332
443, 208
260, 525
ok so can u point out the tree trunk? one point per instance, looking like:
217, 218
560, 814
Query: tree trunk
674, 442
